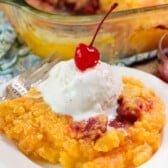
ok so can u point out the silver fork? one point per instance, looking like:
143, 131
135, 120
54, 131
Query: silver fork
23, 82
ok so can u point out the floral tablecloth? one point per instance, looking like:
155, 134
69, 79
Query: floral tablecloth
16, 57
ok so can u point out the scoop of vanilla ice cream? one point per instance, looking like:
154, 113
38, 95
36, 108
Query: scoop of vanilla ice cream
82, 94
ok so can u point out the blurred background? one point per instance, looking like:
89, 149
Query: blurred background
31, 30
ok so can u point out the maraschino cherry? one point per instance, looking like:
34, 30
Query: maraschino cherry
87, 56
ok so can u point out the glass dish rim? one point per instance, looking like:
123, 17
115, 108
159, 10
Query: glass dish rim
81, 20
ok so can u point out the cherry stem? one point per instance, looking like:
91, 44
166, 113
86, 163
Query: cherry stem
99, 26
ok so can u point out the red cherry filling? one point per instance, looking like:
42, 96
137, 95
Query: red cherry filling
51, 2
88, 56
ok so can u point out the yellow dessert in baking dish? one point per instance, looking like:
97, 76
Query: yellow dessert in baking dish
82, 7
120, 36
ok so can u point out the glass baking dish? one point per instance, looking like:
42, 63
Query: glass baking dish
123, 34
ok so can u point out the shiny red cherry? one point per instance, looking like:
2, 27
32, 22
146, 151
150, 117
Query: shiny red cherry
87, 56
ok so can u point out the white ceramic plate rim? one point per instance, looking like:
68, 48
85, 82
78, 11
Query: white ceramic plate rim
11, 157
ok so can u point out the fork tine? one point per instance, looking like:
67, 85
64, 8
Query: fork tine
41, 73
37, 66
44, 68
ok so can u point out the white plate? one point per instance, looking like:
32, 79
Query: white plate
11, 157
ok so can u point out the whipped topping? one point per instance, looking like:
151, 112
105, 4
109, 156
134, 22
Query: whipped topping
82, 94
